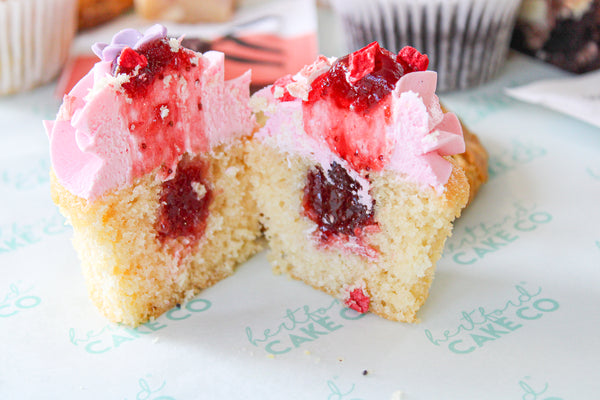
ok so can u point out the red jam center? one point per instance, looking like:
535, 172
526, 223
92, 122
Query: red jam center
151, 60
332, 202
184, 202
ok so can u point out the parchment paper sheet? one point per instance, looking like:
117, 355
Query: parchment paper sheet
513, 312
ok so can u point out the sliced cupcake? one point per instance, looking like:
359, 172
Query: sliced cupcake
148, 166
353, 177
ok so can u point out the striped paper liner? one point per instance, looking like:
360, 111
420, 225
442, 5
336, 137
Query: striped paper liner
35, 37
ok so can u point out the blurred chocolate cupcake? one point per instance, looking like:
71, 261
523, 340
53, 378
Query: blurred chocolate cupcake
35, 38
565, 33
466, 40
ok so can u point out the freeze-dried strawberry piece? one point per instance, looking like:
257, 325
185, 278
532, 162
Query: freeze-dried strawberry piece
358, 301
411, 60
129, 59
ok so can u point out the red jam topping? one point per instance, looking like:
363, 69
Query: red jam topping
332, 202
349, 106
359, 80
184, 202
151, 60
358, 301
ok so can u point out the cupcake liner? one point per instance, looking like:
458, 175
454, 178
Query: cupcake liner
35, 37
466, 41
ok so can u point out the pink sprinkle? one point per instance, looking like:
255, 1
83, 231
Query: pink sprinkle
358, 301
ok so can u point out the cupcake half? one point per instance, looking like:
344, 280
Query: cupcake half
148, 166
353, 178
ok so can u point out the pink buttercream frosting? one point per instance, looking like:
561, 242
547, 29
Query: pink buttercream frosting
133, 113
405, 131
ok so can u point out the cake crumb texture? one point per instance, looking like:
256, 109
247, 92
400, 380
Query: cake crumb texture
414, 223
131, 275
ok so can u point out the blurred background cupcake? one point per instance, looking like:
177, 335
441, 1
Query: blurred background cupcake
35, 37
565, 33
466, 40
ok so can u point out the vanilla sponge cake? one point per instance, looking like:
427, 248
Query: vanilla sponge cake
148, 165
353, 176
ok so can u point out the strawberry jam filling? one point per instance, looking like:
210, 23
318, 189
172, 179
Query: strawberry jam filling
184, 202
332, 201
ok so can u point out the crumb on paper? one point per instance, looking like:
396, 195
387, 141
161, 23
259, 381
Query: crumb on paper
340, 359
188, 295
365, 372
397, 395
307, 352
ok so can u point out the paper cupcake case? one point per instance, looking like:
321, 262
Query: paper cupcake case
35, 37
466, 41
